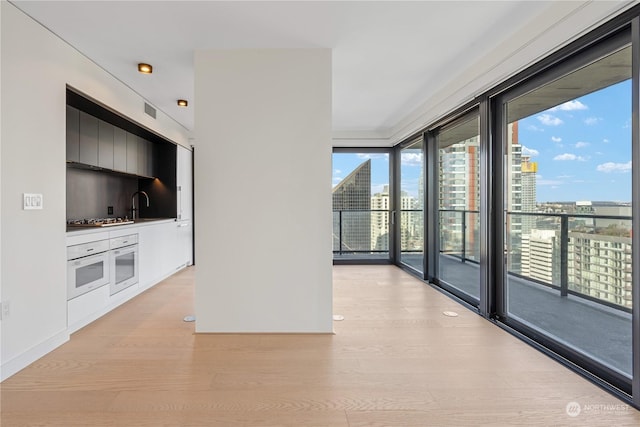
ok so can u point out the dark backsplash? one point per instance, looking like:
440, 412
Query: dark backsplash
89, 193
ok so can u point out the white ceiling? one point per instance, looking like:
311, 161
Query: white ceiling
388, 57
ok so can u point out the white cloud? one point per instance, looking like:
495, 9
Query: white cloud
337, 171
591, 121
535, 128
526, 151
606, 141
564, 176
549, 120
570, 106
411, 159
599, 153
582, 144
614, 167
570, 156
366, 156
541, 181
377, 188
548, 182
566, 156
556, 139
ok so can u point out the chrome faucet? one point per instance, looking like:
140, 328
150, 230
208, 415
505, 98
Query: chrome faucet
133, 203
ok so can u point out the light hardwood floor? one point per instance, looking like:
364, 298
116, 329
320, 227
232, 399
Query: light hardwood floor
395, 360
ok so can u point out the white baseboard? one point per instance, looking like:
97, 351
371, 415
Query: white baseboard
23, 360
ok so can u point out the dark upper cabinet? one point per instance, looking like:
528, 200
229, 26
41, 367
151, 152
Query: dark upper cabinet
132, 153
119, 149
145, 157
105, 144
151, 161
88, 139
95, 142
142, 156
73, 134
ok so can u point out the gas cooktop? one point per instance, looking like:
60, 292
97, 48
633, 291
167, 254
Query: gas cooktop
98, 222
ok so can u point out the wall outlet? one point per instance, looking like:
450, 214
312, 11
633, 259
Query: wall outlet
6, 309
109, 210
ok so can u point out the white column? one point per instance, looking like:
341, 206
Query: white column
263, 190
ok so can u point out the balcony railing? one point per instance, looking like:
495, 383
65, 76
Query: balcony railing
366, 231
361, 231
460, 234
584, 255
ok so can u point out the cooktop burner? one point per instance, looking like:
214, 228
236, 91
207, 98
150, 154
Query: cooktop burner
98, 222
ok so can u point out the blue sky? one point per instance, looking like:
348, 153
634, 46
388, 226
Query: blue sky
582, 147
345, 163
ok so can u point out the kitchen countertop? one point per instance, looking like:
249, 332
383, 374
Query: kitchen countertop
137, 223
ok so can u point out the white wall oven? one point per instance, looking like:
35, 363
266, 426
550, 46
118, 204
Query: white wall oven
87, 267
124, 262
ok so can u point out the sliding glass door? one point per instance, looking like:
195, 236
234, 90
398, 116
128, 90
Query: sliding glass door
458, 215
567, 198
411, 205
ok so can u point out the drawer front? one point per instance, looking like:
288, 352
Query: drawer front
119, 242
85, 249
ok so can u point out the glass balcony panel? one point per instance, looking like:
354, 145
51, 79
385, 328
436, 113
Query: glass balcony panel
568, 211
412, 238
412, 205
361, 205
458, 215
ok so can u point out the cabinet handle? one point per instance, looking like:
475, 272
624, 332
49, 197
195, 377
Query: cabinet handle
89, 250
126, 241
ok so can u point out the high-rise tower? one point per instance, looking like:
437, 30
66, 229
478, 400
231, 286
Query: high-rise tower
352, 211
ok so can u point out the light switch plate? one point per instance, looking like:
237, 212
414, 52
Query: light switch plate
32, 201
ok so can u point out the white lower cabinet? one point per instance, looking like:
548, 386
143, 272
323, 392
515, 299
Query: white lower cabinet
157, 248
185, 242
163, 248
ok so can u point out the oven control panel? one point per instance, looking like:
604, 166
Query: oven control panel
86, 249
122, 241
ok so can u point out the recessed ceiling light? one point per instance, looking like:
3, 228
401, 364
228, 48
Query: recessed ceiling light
182, 102
145, 68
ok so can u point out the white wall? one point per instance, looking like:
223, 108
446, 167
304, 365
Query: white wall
263, 190
36, 67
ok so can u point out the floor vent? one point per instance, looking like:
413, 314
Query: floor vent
150, 110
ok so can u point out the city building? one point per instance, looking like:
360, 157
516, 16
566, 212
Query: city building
528, 171
458, 181
600, 266
541, 256
380, 211
352, 205
514, 198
